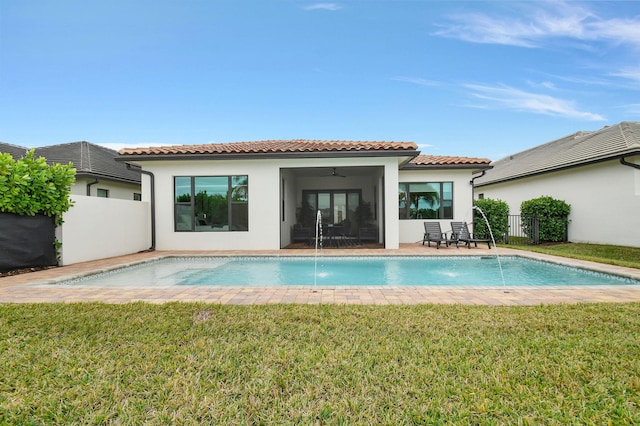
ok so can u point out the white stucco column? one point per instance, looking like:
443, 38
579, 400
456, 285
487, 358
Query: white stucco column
391, 218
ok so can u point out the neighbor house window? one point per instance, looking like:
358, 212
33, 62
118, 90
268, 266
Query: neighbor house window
211, 203
137, 196
104, 193
425, 200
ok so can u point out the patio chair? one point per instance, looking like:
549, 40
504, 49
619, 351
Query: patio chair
301, 233
433, 233
467, 237
456, 229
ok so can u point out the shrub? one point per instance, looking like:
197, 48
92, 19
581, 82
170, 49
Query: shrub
30, 186
553, 217
497, 213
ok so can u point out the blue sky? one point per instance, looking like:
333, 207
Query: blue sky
479, 79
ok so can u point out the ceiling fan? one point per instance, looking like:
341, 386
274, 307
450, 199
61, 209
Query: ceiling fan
336, 174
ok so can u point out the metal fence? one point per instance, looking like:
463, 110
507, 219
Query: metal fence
523, 230
527, 229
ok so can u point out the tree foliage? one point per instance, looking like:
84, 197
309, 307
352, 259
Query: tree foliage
30, 186
552, 214
497, 213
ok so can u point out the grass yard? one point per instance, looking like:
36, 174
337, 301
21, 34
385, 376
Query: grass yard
184, 363
612, 255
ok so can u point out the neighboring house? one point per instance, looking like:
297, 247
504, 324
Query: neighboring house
14, 150
255, 195
597, 173
97, 173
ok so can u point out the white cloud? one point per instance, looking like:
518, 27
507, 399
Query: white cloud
416, 80
633, 109
540, 21
543, 84
518, 100
629, 73
423, 146
323, 6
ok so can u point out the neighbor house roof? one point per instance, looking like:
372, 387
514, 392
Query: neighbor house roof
15, 151
444, 161
272, 148
578, 149
89, 160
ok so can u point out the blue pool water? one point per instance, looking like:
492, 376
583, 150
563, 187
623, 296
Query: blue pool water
350, 271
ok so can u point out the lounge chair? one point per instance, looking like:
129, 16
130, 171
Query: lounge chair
467, 237
456, 229
433, 233
302, 233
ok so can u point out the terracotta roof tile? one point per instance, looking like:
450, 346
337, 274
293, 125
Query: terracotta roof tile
271, 146
443, 160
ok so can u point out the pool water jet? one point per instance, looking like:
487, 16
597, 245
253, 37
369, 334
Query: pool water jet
493, 240
318, 239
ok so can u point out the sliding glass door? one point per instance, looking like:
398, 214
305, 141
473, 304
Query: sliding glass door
338, 207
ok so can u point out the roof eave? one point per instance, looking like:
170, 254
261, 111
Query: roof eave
618, 155
475, 167
107, 177
263, 155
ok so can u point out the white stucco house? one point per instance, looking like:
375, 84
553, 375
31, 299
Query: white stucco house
596, 172
255, 195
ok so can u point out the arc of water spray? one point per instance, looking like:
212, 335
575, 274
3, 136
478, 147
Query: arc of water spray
318, 239
494, 243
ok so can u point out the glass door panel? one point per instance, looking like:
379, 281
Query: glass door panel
324, 205
353, 201
339, 207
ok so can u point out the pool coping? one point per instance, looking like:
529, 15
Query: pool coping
37, 287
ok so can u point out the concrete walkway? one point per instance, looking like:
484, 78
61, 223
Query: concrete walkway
39, 287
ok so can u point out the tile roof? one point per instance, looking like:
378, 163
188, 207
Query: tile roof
443, 160
16, 151
89, 160
577, 149
270, 147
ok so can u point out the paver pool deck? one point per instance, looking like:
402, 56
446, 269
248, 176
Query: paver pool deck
37, 287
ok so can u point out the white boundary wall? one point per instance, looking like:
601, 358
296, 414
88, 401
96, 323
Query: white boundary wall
98, 228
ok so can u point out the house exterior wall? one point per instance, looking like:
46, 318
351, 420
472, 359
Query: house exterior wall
97, 228
116, 189
267, 231
604, 199
264, 205
412, 230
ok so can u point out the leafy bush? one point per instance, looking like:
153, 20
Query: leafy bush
30, 186
497, 213
553, 218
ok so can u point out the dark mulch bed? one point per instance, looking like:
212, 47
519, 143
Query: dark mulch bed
24, 271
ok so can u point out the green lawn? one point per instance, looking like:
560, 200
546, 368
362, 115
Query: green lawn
613, 255
184, 363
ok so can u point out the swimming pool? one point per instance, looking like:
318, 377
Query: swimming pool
376, 271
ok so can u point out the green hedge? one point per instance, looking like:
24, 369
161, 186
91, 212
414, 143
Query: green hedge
553, 216
30, 186
497, 212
